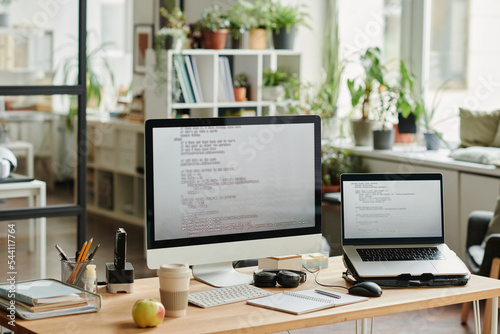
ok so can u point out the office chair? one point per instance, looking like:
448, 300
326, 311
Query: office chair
481, 261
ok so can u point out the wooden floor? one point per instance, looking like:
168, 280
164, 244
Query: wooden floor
63, 232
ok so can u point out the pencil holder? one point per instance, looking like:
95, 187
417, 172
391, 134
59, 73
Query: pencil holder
73, 272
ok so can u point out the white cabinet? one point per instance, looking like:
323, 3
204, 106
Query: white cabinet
115, 170
159, 101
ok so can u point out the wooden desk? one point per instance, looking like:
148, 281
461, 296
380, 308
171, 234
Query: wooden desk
115, 316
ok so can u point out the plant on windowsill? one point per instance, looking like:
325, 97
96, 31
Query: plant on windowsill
335, 162
408, 106
214, 26
284, 21
432, 136
362, 91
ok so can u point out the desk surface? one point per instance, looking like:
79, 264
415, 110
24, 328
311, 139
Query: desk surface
115, 316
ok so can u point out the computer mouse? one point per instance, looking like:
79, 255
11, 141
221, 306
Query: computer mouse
366, 289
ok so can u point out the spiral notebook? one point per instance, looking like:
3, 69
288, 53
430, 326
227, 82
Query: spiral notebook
300, 302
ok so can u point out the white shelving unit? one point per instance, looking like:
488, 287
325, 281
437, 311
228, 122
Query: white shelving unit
159, 102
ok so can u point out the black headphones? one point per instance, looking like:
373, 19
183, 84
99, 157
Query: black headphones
267, 278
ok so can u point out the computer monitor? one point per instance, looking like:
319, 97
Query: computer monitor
225, 189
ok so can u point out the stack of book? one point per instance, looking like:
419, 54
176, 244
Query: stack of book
44, 298
186, 72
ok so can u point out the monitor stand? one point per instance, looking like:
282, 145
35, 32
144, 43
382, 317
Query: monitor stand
220, 274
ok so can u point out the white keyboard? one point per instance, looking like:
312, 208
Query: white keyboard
226, 295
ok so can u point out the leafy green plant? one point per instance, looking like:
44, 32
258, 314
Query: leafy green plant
335, 162
240, 80
239, 20
98, 69
284, 16
362, 89
213, 19
408, 102
175, 18
257, 13
274, 78
6, 3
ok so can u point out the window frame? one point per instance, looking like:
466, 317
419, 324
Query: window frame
80, 89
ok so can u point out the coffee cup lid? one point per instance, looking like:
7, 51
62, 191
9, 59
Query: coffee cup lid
174, 268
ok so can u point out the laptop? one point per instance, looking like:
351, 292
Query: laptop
393, 230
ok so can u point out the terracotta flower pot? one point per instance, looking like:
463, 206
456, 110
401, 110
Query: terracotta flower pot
214, 39
240, 94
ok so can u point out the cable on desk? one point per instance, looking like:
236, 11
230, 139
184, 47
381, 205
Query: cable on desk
323, 284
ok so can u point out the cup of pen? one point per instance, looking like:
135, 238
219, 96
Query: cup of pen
74, 272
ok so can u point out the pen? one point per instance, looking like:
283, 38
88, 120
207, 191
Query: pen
91, 256
63, 255
327, 293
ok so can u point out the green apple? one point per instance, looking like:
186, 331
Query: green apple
148, 312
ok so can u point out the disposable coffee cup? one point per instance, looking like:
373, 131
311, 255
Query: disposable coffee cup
174, 288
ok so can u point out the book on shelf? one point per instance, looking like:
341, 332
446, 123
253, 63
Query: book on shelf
184, 79
226, 93
229, 79
43, 298
192, 78
300, 302
197, 78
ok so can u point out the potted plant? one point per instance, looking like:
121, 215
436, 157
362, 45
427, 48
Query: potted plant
335, 162
432, 137
258, 14
273, 84
240, 84
214, 28
174, 34
383, 133
4, 15
407, 104
239, 24
99, 74
284, 22
362, 90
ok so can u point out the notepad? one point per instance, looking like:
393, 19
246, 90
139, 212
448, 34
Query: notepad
300, 302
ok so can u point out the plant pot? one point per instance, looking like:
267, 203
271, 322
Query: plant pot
214, 39
4, 19
383, 139
407, 125
402, 138
362, 132
240, 94
283, 39
258, 39
432, 141
273, 93
330, 189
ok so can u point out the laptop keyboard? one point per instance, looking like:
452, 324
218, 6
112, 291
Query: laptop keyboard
400, 254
